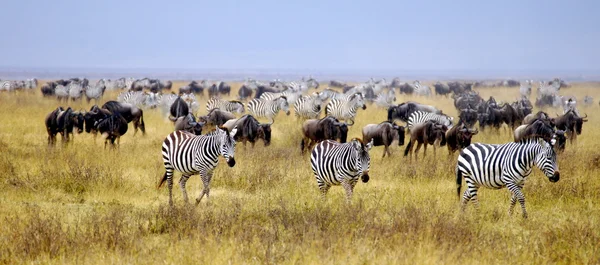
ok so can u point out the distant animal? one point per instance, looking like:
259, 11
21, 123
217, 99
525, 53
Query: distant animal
308, 107
427, 133
403, 110
383, 134
334, 83
189, 124
216, 117
335, 163
345, 109
504, 165
268, 108
317, 130
129, 112
459, 137
571, 123
52, 125
63, 121
419, 117
179, 108
48, 89
250, 130
112, 128
441, 89
196, 154
94, 92
231, 105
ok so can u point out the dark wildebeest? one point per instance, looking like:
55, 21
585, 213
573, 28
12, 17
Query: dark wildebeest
216, 117
249, 130
334, 83
224, 88
543, 129
496, 116
94, 116
166, 84
262, 89
63, 121
130, 112
468, 116
112, 128
383, 134
189, 124
244, 92
48, 89
459, 88
571, 124
179, 108
316, 130
213, 91
427, 133
540, 115
459, 137
403, 110
441, 89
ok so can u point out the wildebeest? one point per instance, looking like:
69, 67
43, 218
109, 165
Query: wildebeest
179, 108
189, 124
216, 117
244, 92
468, 116
112, 128
92, 117
542, 128
130, 112
540, 115
48, 89
403, 110
571, 123
459, 137
334, 83
316, 130
459, 88
262, 89
383, 134
63, 121
496, 116
441, 89
249, 130
427, 133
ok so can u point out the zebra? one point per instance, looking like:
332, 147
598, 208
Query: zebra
195, 154
422, 90
549, 89
419, 116
525, 89
8, 85
345, 109
75, 90
259, 107
308, 107
95, 92
335, 163
231, 105
135, 98
62, 92
504, 165
386, 100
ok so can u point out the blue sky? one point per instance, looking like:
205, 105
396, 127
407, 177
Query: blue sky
320, 35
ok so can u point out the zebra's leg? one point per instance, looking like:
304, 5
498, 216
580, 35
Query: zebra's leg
349, 187
206, 177
169, 173
323, 187
513, 201
182, 182
516, 191
470, 194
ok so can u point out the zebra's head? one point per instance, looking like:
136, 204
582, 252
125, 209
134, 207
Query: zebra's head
363, 160
359, 101
546, 160
227, 144
284, 105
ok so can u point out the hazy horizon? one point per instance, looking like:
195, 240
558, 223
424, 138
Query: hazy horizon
485, 39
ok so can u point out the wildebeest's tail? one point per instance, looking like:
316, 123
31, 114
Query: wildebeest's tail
162, 181
142, 125
459, 178
407, 148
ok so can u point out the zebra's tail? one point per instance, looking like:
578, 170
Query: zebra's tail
407, 148
459, 178
162, 181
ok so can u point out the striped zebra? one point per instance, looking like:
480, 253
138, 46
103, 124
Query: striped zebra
308, 107
525, 88
504, 165
227, 105
334, 163
290, 95
8, 85
75, 90
195, 154
259, 107
61, 92
135, 98
386, 100
422, 90
548, 89
419, 117
95, 92
345, 109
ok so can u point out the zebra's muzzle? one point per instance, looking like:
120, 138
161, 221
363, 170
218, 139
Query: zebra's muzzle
231, 162
364, 107
555, 177
287, 113
365, 177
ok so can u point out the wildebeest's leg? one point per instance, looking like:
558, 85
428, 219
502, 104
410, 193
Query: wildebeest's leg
417, 150
135, 125
182, 181
206, 183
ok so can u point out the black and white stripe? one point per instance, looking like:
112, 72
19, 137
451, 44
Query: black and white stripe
308, 107
196, 154
334, 163
345, 109
227, 105
259, 107
419, 117
506, 165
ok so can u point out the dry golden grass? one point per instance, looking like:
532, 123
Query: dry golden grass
82, 204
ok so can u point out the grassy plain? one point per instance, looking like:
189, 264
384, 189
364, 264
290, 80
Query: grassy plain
83, 204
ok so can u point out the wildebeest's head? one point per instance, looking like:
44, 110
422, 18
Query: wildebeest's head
401, 133
579, 123
464, 135
78, 120
264, 132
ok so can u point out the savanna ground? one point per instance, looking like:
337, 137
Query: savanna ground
83, 204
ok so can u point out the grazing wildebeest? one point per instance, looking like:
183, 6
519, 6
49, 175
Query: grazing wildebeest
334, 83
130, 112
244, 92
403, 110
249, 130
459, 137
63, 121
441, 89
262, 89
224, 88
468, 116
189, 124
540, 115
112, 128
216, 117
571, 124
92, 117
48, 89
383, 134
179, 108
316, 130
427, 133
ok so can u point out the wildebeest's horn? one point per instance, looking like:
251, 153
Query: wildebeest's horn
171, 118
585, 116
